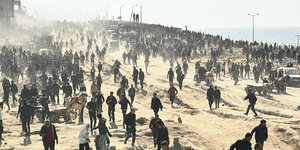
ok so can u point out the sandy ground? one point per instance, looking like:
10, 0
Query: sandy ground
201, 128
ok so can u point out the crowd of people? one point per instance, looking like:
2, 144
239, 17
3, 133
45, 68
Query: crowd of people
44, 74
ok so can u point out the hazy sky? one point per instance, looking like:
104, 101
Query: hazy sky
193, 13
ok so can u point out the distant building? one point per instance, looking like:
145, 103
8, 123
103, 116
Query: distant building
7, 10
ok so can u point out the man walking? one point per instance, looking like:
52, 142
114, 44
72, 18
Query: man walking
162, 136
261, 132
154, 128
92, 107
172, 93
135, 76
14, 91
217, 97
170, 76
111, 102
130, 126
141, 77
103, 131
48, 132
252, 100
26, 112
131, 93
156, 104
124, 102
210, 96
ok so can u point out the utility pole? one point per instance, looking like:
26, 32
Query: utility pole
121, 12
298, 36
141, 12
253, 15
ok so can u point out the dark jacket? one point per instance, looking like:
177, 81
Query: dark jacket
14, 88
45, 129
241, 145
156, 103
33, 92
124, 103
55, 88
26, 111
210, 93
261, 133
130, 120
92, 106
25, 93
141, 75
99, 98
252, 98
131, 91
111, 102
217, 94
67, 89
102, 127
163, 135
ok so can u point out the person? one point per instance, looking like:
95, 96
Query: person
141, 77
210, 96
135, 75
124, 102
170, 76
258, 146
67, 90
121, 91
33, 94
14, 91
84, 138
56, 88
6, 89
162, 136
252, 100
75, 83
49, 92
49, 136
156, 104
103, 131
45, 106
180, 78
99, 67
99, 81
82, 86
172, 93
26, 112
217, 97
93, 73
124, 82
130, 120
154, 128
99, 100
94, 89
124, 57
236, 76
131, 93
111, 101
92, 107
1, 122
261, 132
243, 144
247, 70
147, 62
25, 93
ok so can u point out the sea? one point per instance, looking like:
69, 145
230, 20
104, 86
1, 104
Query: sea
280, 35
